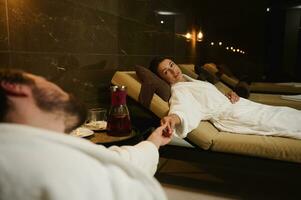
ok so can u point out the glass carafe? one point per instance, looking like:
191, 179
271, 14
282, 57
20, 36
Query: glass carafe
119, 123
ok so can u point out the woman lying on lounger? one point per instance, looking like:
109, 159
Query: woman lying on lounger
193, 100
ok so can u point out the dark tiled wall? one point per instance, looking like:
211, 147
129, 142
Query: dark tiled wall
3, 29
80, 43
4, 47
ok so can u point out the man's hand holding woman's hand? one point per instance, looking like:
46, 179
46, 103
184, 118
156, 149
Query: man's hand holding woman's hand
159, 136
162, 135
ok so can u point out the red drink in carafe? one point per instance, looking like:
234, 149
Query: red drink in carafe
119, 123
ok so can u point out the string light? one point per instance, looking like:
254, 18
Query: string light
233, 49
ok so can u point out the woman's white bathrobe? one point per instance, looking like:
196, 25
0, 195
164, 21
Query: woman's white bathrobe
196, 100
41, 164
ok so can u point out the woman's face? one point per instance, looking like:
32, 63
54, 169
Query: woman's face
170, 72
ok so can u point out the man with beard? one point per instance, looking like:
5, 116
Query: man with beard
38, 161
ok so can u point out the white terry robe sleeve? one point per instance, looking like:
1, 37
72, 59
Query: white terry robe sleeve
144, 155
186, 107
40, 164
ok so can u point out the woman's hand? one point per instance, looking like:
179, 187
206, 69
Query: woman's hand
171, 120
159, 137
233, 97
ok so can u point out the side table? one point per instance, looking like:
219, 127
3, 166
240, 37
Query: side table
103, 138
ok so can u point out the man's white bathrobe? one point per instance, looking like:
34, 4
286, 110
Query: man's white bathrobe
41, 164
196, 100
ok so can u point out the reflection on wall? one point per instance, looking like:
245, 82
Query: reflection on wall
80, 43
291, 37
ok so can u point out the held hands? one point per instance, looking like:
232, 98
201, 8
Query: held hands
233, 97
172, 120
160, 137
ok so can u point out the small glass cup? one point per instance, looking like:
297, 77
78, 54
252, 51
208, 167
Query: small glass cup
97, 119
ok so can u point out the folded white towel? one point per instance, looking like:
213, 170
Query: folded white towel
292, 97
297, 84
294, 84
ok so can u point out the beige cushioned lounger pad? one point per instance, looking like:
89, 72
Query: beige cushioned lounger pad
266, 87
207, 136
269, 99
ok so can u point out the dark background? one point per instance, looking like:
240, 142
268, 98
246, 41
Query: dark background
81, 43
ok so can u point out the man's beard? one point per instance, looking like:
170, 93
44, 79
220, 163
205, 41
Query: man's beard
74, 111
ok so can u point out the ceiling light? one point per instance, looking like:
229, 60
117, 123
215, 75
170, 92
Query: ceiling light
161, 12
299, 6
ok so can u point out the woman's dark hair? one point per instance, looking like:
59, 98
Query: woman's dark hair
11, 76
154, 63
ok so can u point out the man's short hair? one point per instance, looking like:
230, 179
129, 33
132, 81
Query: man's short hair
10, 76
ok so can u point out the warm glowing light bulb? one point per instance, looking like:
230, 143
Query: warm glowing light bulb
188, 36
212, 43
200, 36
162, 22
231, 48
220, 43
227, 48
